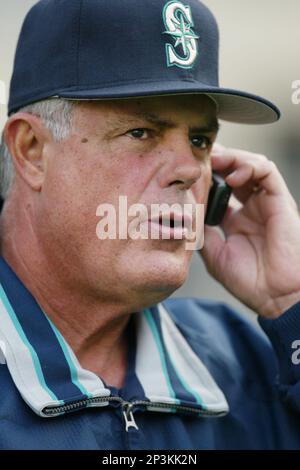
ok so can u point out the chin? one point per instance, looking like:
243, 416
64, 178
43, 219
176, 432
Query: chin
152, 275
164, 275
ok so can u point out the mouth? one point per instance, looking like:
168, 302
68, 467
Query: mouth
170, 226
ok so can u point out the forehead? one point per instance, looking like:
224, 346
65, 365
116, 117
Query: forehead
192, 109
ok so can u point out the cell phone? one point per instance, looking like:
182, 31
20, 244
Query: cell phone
218, 200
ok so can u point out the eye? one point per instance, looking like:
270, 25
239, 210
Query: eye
139, 134
202, 142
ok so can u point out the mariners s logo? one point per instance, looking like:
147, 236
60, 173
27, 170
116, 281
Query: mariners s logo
179, 25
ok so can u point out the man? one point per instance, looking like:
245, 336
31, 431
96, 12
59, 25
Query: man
93, 354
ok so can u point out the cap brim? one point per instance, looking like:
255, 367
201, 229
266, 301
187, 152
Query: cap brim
233, 105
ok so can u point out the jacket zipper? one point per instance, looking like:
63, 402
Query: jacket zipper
127, 408
128, 416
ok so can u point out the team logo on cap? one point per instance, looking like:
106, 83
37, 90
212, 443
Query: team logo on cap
179, 25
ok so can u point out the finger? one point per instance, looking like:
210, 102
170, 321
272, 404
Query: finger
233, 221
235, 204
243, 193
227, 161
262, 172
227, 224
229, 153
212, 248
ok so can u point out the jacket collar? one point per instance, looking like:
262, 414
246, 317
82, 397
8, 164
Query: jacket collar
47, 374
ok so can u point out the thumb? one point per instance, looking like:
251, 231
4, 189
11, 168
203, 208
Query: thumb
211, 252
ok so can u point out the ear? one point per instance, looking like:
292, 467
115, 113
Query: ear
26, 137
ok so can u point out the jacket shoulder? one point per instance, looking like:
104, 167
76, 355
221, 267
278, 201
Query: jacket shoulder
205, 314
221, 328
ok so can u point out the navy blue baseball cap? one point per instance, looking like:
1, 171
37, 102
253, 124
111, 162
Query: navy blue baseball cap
116, 49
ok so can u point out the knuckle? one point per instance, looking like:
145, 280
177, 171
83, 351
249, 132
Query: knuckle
271, 165
262, 157
265, 164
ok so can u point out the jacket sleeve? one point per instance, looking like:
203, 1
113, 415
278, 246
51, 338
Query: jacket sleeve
284, 334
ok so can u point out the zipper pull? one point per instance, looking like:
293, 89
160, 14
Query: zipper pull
129, 418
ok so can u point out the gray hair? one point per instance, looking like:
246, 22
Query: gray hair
56, 115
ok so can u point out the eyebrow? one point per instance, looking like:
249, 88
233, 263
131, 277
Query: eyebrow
211, 126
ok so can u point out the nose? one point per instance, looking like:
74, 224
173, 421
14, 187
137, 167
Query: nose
181, 168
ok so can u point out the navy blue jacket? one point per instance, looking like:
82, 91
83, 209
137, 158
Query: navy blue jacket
200, 376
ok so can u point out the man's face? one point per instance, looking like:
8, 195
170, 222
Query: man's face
152, 150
